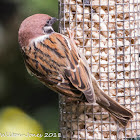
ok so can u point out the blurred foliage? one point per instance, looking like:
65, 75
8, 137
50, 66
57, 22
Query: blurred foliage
16, 125
35, 6
17, 87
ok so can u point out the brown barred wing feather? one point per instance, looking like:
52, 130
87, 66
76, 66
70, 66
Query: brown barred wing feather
55, 61
78, 73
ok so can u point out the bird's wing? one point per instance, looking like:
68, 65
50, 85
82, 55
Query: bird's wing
44, 58
55, 61
77, 71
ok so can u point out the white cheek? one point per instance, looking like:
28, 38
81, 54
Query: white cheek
40, 39
48, 30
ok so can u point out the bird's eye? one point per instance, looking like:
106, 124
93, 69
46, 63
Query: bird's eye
48, 22
51, 21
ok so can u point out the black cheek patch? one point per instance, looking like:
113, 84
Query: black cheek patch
49, 31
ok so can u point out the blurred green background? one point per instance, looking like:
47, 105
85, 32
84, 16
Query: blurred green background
17, 87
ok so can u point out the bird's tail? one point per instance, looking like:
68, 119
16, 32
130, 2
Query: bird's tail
118, 112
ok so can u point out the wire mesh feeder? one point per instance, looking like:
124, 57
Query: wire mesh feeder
108, 32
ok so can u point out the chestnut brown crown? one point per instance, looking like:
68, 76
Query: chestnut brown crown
31, 28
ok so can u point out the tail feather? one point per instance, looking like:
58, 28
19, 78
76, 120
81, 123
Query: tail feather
118, 112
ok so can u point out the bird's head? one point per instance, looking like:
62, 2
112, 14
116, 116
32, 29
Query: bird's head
35, 26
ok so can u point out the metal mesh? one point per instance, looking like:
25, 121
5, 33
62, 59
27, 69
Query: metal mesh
108, 32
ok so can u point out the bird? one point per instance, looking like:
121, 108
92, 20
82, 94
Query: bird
55, 60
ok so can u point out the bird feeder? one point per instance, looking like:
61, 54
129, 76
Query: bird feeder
108, 34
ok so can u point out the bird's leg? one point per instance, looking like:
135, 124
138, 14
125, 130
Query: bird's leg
71, 36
